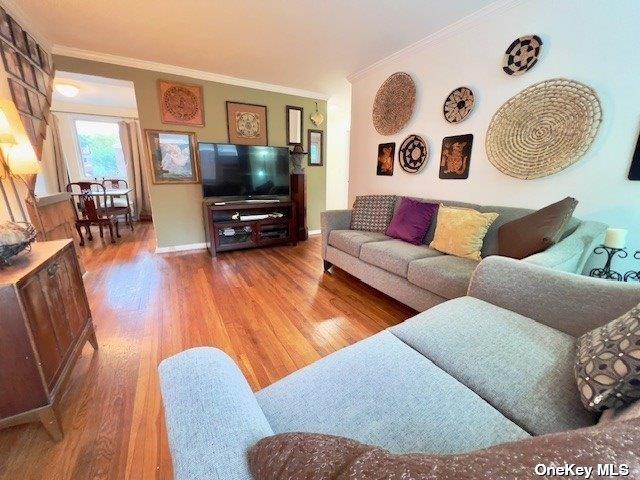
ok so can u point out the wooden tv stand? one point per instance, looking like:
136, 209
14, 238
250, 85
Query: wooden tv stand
224, 233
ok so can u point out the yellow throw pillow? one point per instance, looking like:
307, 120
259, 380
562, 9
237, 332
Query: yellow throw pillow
460, 231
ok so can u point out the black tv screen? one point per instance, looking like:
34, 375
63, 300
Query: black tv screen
243, 171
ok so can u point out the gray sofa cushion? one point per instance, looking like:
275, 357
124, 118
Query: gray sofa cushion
383, 392
446, 275
394, 255
350, 241
520, 366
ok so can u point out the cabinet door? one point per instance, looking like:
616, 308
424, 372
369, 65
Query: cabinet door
37, 310
72, 291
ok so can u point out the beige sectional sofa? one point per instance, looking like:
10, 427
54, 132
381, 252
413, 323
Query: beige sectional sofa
422, 277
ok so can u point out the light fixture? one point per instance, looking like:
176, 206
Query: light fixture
67, 90
6, 132
22, 159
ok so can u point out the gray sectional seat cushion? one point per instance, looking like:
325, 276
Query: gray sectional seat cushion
520, 366
383, 392
395, 255
350, 241
446, 275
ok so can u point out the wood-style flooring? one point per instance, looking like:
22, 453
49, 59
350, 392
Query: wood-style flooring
273, 310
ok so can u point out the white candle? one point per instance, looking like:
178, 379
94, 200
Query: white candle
615, 238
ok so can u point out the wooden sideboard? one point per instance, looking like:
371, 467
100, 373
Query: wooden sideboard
45, 321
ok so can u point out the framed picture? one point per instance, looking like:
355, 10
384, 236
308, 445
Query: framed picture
456, 156
247, 124
18, 36
34, 102
11, 60
634, 171
181, 103
5, 26
19, 94
32, 45
294, 117
386, 154
316, 150
28, 75
173, 157
40, 80
45, 61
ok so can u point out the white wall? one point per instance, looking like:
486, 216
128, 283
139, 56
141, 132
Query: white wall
592, 41
337, 155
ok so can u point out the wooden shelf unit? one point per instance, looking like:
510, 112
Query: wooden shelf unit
224, 234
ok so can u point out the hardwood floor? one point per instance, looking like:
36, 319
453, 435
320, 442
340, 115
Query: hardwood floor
273, 310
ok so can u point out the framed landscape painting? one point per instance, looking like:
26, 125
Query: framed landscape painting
247, 124
173, 157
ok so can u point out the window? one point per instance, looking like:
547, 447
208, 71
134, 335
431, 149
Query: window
100, 150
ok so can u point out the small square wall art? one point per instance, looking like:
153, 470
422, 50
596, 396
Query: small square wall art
386, 154
456, 156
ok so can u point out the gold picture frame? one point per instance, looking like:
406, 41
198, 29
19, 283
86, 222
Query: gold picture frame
177, 162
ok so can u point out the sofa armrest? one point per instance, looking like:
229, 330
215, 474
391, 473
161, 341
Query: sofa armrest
571, 253
333, 220
212, 415
567, 302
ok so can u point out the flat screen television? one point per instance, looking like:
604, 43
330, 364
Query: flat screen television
243, 171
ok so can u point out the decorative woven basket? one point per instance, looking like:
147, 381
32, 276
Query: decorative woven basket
393, 106
543, 129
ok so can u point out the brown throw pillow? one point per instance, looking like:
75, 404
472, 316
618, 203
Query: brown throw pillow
373, 213
607, 367
537, 231
309, 456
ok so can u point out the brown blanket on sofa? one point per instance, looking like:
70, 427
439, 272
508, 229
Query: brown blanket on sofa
310, 456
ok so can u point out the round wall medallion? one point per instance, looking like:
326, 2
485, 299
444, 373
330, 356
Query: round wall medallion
543, 129
413, 154
458, 105
181, 102
394, 102
522, 55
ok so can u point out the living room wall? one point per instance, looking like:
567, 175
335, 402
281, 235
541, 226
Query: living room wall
177, 209
470, 54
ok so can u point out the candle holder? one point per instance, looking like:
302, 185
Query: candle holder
606, 272
632, 274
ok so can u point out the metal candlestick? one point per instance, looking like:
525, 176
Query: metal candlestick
631, 274
606, 272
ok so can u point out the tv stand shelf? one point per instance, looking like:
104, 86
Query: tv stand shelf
225, 233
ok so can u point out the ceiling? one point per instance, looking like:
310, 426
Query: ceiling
304, 44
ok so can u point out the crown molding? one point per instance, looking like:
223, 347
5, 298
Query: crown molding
14, 9
66, 51
450, 30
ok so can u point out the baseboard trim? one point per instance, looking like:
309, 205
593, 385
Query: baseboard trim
181, 248
314, 232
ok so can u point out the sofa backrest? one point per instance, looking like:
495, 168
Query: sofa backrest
506, 215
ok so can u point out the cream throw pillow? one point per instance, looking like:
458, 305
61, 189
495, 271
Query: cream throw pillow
460, 231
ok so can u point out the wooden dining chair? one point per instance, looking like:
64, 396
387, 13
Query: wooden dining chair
91, 212
117, 206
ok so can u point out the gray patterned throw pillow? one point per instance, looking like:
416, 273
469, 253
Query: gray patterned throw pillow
372, 213
607, 369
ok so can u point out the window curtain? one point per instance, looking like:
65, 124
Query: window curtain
133, 150
62, 172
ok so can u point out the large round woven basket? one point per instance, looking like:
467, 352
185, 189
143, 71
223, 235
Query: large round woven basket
543, 129
394, 102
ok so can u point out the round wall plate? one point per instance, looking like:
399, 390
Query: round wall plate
521, 55
413, 154
458, 105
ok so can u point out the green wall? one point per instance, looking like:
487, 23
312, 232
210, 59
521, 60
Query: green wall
177, 209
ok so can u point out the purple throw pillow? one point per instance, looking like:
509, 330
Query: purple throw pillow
411, 222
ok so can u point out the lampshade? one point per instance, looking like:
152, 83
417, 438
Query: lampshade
6, 133
22, 160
